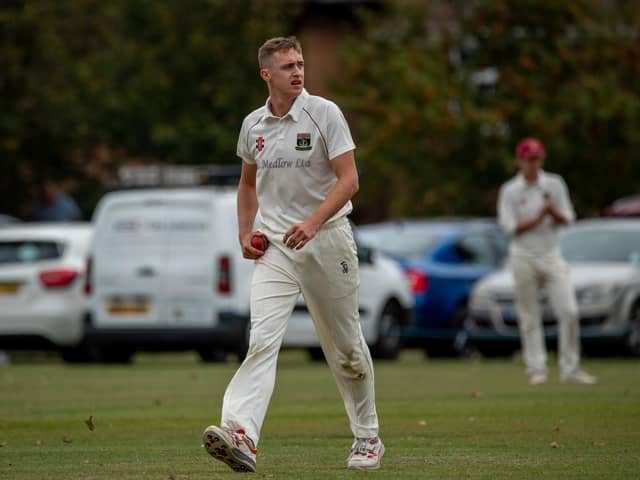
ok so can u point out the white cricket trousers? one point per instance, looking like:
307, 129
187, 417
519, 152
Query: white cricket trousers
325, 271
530, 274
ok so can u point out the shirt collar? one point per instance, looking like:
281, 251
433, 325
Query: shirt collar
295, 110
540, 182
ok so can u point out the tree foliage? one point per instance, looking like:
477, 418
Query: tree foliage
436, 133
165, 80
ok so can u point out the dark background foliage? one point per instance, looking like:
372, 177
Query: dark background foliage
437, 94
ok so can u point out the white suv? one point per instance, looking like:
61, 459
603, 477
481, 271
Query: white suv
166, 272
41, 276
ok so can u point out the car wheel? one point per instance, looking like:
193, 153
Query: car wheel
389, 332
316, 354
633, 339
242, 349
458, 346
496, 349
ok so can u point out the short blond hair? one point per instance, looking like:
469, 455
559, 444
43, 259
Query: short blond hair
277, 44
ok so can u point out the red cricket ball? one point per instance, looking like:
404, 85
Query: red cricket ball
259, 241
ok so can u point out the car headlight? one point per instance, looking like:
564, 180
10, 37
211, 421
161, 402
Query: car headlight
597, 294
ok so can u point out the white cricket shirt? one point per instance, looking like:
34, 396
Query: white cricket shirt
520, 200
293, 155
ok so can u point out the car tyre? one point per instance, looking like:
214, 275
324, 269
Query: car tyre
316, 354
389, 341
496, 349
633, 339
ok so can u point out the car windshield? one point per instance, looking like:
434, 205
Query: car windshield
594, 245
404, 244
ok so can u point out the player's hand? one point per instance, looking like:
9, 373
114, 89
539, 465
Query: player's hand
299, 235
249, 251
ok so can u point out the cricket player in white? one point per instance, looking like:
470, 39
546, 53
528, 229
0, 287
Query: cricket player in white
298, 171
531, 207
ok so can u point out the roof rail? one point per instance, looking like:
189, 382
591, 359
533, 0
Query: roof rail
131, 176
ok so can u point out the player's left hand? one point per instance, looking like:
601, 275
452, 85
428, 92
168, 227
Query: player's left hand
299, 235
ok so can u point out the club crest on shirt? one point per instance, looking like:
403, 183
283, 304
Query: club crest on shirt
260, 143
303, 142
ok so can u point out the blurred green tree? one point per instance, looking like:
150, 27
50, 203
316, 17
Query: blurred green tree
444, 90
93, 82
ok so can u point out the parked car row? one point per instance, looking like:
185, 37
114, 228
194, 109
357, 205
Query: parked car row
160, 269
604, 263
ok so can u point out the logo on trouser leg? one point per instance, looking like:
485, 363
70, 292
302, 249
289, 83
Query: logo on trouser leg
345, 267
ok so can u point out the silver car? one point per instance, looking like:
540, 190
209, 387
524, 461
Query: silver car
604, 261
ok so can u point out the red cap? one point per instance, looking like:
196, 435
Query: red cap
530, 147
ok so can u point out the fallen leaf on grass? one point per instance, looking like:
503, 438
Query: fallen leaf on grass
90, 424
422, 423
598, 444
3, 444
475, 394
554, 445
38, 442
67, 439
556, 428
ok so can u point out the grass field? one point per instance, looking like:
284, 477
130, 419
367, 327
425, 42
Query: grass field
439, 420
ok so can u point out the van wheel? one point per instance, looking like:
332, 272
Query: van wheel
389, 333
212, 355
109, 355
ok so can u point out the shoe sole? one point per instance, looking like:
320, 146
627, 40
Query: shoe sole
216, 445
372, 467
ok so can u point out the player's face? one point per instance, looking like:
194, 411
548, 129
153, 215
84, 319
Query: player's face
285, 73
530, 166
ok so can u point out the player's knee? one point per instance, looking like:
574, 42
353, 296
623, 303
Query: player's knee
353, 364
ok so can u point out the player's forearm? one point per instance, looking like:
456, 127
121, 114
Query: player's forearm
527, 225
247, 208
344, 189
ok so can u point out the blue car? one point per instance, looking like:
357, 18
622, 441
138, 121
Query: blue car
442, 258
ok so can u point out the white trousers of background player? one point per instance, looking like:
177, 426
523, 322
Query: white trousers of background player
325, 271
551, 271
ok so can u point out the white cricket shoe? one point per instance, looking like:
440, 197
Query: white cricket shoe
366, 454
537, 378
581, 377
234, 448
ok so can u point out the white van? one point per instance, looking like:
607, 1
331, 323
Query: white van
165, 272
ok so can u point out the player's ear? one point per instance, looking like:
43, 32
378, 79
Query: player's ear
264, 74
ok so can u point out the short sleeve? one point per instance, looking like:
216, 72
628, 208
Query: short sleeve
339, 138
243, 149
506, 214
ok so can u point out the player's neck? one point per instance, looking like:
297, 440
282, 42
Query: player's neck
280, 104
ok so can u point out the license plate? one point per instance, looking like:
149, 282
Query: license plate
9, 288
128, 309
